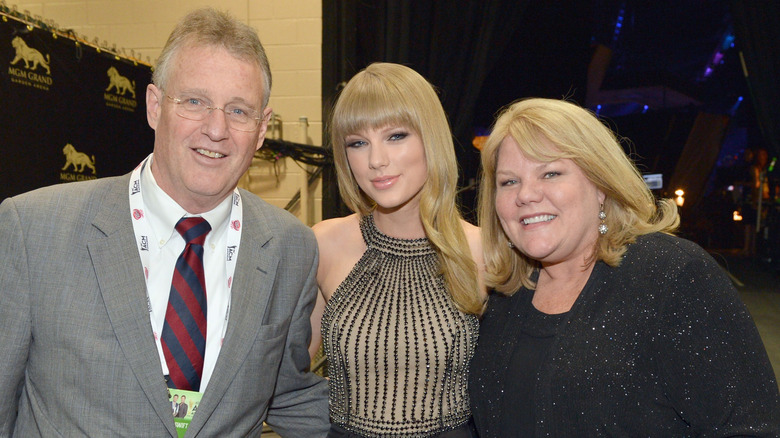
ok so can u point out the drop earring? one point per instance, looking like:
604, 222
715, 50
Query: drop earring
603, 228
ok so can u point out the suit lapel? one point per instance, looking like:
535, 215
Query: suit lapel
120, 277
252, 286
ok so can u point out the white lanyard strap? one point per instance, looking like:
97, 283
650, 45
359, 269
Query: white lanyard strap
142, 229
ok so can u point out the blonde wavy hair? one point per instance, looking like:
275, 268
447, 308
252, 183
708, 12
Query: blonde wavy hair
391, 94
578, 135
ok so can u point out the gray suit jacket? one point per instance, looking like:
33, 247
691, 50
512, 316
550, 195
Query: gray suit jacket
75, 330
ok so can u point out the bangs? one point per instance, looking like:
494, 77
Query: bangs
371, 104
535, 144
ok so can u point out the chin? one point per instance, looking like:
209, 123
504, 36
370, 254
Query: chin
541, 255
206, 190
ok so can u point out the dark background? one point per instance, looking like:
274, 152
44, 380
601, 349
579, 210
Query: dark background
37, 123
611, 56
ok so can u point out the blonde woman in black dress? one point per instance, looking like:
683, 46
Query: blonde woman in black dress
604, 323
400, 275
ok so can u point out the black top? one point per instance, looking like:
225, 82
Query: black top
537, 332
660, 346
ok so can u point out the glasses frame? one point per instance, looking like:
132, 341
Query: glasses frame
209, 109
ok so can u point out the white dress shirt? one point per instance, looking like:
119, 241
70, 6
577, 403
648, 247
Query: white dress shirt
165, 246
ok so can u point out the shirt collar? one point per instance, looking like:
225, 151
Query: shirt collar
163, 212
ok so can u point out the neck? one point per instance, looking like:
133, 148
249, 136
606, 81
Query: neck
401, 224
560, 285
197, 207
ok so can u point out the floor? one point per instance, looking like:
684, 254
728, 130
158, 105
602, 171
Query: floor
758, 284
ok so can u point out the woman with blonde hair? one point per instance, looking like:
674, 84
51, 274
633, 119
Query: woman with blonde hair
400, 276
604, 323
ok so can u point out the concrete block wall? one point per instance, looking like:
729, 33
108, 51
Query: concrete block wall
291, 31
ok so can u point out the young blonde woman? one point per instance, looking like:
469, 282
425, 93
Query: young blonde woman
400, 276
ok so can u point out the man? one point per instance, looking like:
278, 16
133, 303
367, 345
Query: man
106, 297
175, 404
182, 412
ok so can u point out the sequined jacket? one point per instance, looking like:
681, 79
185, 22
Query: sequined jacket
660, 346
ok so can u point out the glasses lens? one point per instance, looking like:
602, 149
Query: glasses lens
246, 127
189, 107
238, 117
241, 118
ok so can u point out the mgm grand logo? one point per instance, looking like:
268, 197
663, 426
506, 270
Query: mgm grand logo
36, 72
82, 165
118, 87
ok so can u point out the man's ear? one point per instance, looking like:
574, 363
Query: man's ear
153, 105
263, 128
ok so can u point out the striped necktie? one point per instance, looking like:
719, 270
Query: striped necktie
184, 331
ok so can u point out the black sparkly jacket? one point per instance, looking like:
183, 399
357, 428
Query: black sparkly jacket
660, 346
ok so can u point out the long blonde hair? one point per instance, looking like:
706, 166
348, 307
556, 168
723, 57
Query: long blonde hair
577, 135
392, 94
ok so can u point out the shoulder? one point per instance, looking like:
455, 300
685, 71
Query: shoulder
665, 249
74, 191
71, 201
339, 235
277, 219
474, 238
276, 230
498, 309
341, 245
337, 228
472, 234
669, 265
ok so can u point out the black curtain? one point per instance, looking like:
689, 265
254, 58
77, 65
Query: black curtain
454, 44
757, 28
70, 112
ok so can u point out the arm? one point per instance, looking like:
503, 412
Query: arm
323, 233
474, 239
300, 403
340, 245
316, 325
717, 373
16, 334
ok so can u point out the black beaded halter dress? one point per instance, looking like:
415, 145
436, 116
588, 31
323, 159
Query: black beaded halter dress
398, 350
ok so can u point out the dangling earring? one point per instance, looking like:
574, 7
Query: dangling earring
603, 228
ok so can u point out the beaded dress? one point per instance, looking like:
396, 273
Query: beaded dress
398, 350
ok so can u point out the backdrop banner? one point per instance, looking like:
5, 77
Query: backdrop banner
68, 111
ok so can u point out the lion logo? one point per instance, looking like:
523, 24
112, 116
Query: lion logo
121, 83
29, 55
79, 160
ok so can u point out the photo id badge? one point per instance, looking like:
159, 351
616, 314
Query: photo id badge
184, 404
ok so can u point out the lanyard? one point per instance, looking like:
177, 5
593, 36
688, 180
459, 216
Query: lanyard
142, 229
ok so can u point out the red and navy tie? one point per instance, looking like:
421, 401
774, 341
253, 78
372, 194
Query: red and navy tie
184, 331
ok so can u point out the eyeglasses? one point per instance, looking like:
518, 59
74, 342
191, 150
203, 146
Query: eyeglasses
239, 117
